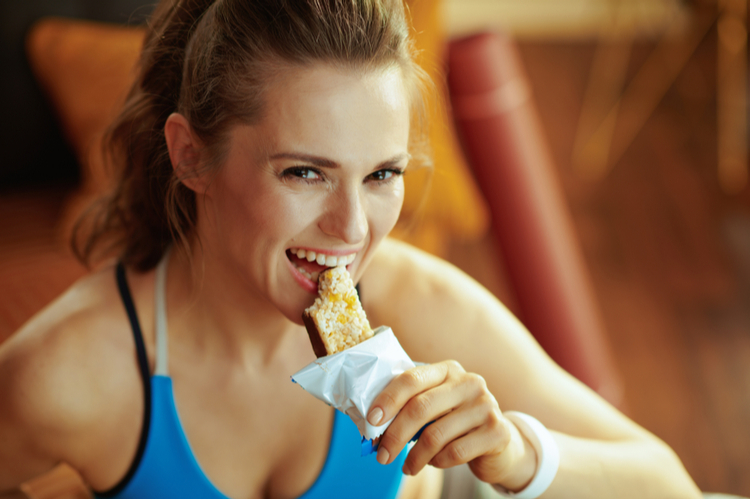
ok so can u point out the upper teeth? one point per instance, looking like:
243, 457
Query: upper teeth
323, 259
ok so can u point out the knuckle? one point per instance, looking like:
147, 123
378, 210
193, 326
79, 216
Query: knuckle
387, 400
440, 461
419, 407
457, 453
454, 366
414, 379
390, 441
432, 437
410, 462
477, 382
495, 420
488, 402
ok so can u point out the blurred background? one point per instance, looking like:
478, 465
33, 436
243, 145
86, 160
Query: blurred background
642, 107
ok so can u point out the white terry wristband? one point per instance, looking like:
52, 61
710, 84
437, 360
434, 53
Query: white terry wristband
548, 455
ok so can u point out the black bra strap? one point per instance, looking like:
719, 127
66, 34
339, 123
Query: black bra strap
140, 349
127, 300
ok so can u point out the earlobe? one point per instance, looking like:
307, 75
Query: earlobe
184, 152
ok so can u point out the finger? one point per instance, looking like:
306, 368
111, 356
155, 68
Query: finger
452, 426
418, 411
426, 407
404, 387
490, 437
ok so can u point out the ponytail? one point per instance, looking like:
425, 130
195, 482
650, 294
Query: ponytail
136, 219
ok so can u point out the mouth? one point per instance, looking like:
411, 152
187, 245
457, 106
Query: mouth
310, 263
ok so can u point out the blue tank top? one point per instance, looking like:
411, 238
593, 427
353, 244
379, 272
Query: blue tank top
165, 467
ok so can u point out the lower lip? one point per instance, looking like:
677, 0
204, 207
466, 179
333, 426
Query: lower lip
307, 284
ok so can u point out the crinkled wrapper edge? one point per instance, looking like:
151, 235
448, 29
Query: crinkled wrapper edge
351, 380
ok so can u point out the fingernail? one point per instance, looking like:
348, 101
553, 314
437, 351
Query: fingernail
405, 470
383, 455
375, 416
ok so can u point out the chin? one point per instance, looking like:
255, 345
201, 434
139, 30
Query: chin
293, 301
294, 314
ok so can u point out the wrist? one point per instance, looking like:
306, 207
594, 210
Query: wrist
520, 460
546, 452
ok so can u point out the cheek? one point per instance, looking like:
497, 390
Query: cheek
276, 216
246, 213
387, 210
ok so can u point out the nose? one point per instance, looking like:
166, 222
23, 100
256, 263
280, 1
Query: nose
345, 217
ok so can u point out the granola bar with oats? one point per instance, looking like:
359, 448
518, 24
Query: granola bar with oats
336, 321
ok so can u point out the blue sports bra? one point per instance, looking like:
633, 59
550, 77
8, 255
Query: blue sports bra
165, 467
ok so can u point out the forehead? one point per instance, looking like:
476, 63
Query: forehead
336, 112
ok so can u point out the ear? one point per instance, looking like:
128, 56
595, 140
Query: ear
184, 152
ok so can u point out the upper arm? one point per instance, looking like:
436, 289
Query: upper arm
56, 380
438, 313
32, 420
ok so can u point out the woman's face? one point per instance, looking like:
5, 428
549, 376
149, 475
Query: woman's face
316, 183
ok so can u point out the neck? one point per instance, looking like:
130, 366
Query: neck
216, 312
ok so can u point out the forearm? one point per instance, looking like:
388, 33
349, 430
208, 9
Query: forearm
631, 469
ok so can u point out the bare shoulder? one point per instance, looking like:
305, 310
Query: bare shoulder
400, 268
419, 294
59, 372
402, 277
65, 342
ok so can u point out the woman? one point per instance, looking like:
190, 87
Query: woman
257, 130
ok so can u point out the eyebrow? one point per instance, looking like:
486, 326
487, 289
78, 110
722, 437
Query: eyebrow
326, 163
